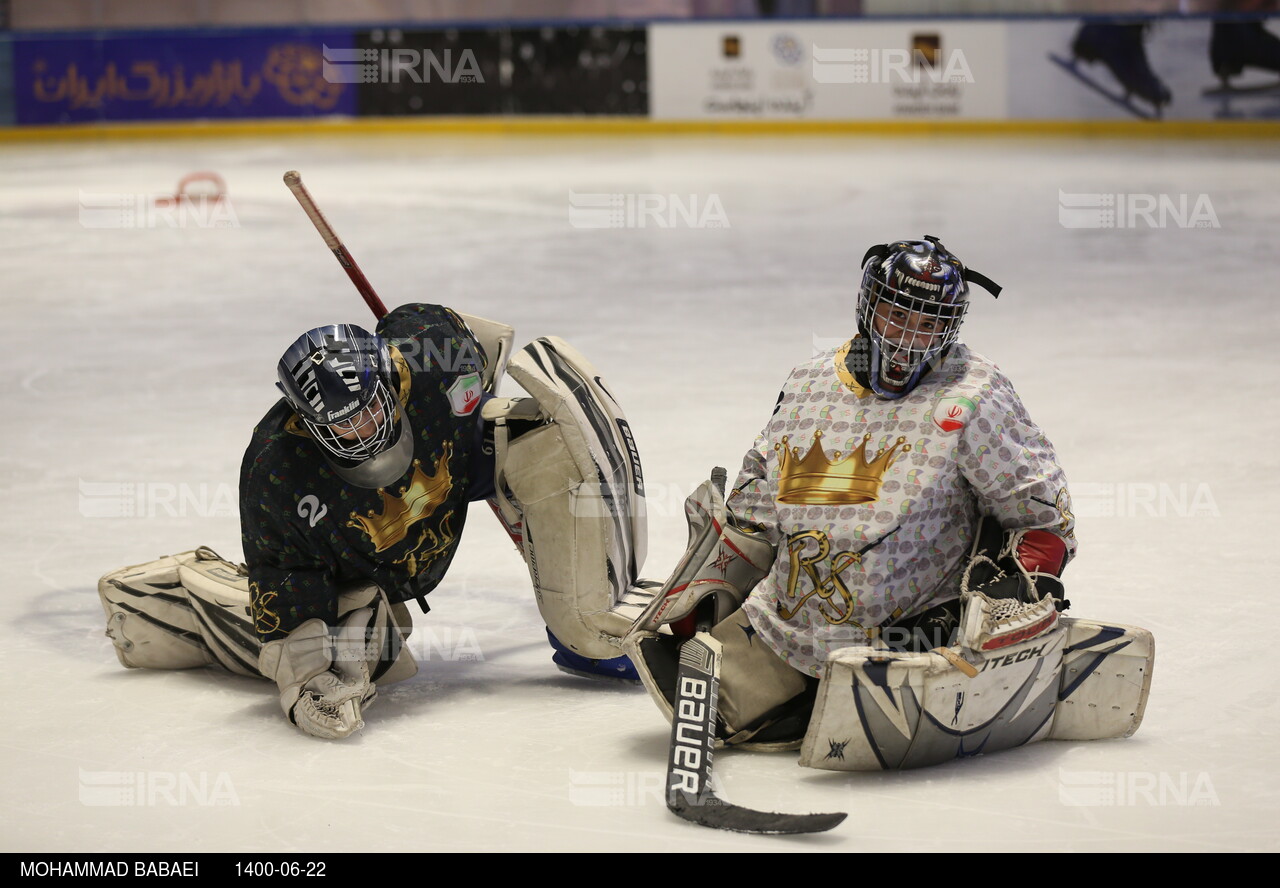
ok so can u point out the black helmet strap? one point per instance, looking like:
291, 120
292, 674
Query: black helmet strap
879, 251
982, 281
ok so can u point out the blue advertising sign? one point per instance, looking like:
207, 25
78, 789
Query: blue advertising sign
178, 75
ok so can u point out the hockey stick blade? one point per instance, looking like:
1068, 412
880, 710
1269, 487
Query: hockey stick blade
693, 724
719, 814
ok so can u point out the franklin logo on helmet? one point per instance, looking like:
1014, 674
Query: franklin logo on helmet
367, 440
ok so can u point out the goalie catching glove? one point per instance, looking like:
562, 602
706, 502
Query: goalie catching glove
1011, 591
324, 677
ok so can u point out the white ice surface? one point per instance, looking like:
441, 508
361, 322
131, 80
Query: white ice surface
145, 356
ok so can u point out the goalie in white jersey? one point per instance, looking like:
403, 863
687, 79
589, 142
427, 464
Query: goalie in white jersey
899, 478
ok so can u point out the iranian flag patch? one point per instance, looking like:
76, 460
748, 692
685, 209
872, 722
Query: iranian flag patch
464, 394
950, 414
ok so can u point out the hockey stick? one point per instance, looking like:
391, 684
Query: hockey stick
693, 737
331, 240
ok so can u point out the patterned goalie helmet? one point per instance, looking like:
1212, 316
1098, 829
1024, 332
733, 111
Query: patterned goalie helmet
913, 298
339, 380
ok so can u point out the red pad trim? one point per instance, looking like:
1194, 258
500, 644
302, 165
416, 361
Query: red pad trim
1022, 634
1042, 552
685, 627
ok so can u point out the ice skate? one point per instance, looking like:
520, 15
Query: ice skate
1237, 46
614, 669
1120, 49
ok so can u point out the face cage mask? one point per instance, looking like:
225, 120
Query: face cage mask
381, 413
901, 354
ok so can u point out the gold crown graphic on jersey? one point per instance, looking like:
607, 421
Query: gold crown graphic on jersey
815, 480
414, 503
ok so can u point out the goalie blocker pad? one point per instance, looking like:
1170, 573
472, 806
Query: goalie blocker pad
193, 609
720, 561
574, 489
880, 710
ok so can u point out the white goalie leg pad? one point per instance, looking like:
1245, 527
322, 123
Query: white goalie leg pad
181, 611
192, 609
577, 487
1106, 677
882, 710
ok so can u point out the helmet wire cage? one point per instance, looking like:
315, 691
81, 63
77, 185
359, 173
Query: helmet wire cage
911, 304
365, 434
339, 381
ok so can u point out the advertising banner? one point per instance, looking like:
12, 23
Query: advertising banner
183, 75
1174, 69
986, 69
565, 70
911, 69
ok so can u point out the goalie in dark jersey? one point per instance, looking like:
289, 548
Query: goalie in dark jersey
353, 496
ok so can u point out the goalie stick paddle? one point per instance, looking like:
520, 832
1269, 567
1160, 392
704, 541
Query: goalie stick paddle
693, 735
293, 179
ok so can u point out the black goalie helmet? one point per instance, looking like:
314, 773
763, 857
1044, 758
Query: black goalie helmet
340, 381
913, 298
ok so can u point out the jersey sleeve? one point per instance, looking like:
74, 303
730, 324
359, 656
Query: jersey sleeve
1013, 467
751, 504
289, 581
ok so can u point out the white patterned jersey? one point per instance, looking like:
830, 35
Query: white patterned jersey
871, 503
